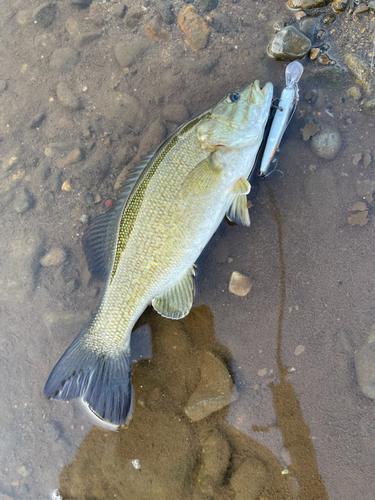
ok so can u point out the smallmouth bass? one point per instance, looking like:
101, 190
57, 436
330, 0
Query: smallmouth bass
147, 245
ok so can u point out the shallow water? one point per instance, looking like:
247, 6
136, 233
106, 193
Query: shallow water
289, 344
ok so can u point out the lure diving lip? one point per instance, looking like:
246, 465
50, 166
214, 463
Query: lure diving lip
284, 112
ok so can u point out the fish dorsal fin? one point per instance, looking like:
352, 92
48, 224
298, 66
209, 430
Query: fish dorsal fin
178, 300
238, 211
100, 238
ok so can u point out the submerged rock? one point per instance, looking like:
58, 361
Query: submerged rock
54, 257
215, 456
134, 15
165, 9
369, 106
127, 53
364, 360
249, 479
64, 59
339, 5
361, 72
239, 284
289, 44
45, 14
194, 27
327, 142
214, 391
307, 4
66, 97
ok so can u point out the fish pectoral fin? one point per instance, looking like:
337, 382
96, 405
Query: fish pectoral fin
238, 211
203, 178
178, 300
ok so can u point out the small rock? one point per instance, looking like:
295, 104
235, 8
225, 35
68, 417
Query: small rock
119, 10
55, 257
339, 5
313, 54
223, 23
194, 27
354, 92
367, 160
360, 205
3, 86
215, 457
369, 106
71, 286
299, 350
207, 5
36, 121
360, 71
307, 4
25, 16
45, 14
67, 98
308, 26
86, 38
300, 15
126, 112
359, 219
165, 9
127, 53
362, 7
239, 284
64, 59
51, 431
289, 44
73, 157
214, 391
310, 129
72, 26
23, 202
357, 158
175, 113
24, 471
371, 6
249, 480
330, 76
94, 169
80, 4
364, 361
152, 138
327, 142
155, 31
134, 15
329, 18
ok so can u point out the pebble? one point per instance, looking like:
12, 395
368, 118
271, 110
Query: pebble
215, 389
307, 4
73, 157
152, 138
364, 360
367, 160
301, 14
66, 97
339, 5
64, 60
215, 457
51, 431
108, 204
24, 471
361, 8
359, 205
249, 480
194, 27
23, 202
314, 52
86, 38
165, 9
72, 26
119, 10
45, 14
126, 112
359, 219
360, 71
289, 44
71, 286
155, 31
36, 121
80, 4
299, 350
357, 158
134, 15
207, 5
369, 106
54, 257
354, 92
223, 23
127, 53
239, 284
94, 169
175, 113
327, 142
371, 6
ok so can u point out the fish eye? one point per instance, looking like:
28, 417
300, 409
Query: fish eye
233, 97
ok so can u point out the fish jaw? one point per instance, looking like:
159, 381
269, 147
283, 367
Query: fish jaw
237, 124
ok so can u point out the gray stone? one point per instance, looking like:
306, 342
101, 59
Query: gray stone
134, 15
369, 106
330, 76
119, 10
36, 121
214, 391
95, 169
18, 265
126, 112
175, 113
360, 71
66, 97
165, 9
307, 4
127, 53
327, 142
371, 6
64, 59
207, 5
223, 23
23, 201
86, 38
45, 14
309, 27
80, 4
289, 44
364, 360
249, 479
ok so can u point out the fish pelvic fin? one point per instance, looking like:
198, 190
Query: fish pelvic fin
102, 380
238, 211
176, 302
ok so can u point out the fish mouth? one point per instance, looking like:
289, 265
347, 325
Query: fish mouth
258, 94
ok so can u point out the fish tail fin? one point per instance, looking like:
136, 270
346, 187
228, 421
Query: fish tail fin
102, 380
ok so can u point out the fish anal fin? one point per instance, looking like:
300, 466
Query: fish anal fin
238, 211
178, 300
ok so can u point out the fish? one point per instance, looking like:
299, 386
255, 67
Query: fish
284, 113
146, 247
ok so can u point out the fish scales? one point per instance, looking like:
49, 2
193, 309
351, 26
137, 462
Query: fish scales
169, 215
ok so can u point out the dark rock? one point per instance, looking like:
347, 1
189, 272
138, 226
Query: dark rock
23, 202
88, 200
86, 38
128, 53
207, 5
339, 5
45, 14
289, 44
80, 4
42, 173
223, 23
329, 18
330, 76
64, 59
165, 9
371, 6
3, 86
134, 15
36, 121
